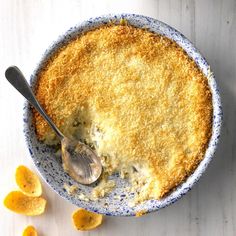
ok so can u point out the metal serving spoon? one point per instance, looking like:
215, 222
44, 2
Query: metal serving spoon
79, 160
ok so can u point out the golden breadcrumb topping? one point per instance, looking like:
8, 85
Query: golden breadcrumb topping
136, 97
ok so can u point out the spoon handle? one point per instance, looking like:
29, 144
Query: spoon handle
18, 81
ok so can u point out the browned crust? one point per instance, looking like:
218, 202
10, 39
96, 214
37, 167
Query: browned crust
156, 74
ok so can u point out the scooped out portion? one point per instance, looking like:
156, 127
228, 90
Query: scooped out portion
136, 98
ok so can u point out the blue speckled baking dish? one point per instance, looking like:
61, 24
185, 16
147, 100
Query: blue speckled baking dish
50, 166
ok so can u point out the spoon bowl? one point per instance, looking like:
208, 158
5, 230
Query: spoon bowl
75, 155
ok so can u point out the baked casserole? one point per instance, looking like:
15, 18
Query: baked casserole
136, 98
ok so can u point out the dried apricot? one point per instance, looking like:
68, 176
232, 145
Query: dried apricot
20, 203
86, 220
28, 182
30, 231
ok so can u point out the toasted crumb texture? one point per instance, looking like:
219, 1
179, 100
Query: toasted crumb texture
70, 189
104, 187
136, 97
140, 213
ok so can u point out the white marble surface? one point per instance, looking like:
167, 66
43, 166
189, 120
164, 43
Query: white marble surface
27, 27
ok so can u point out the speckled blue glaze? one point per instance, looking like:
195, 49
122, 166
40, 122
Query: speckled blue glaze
49, 166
